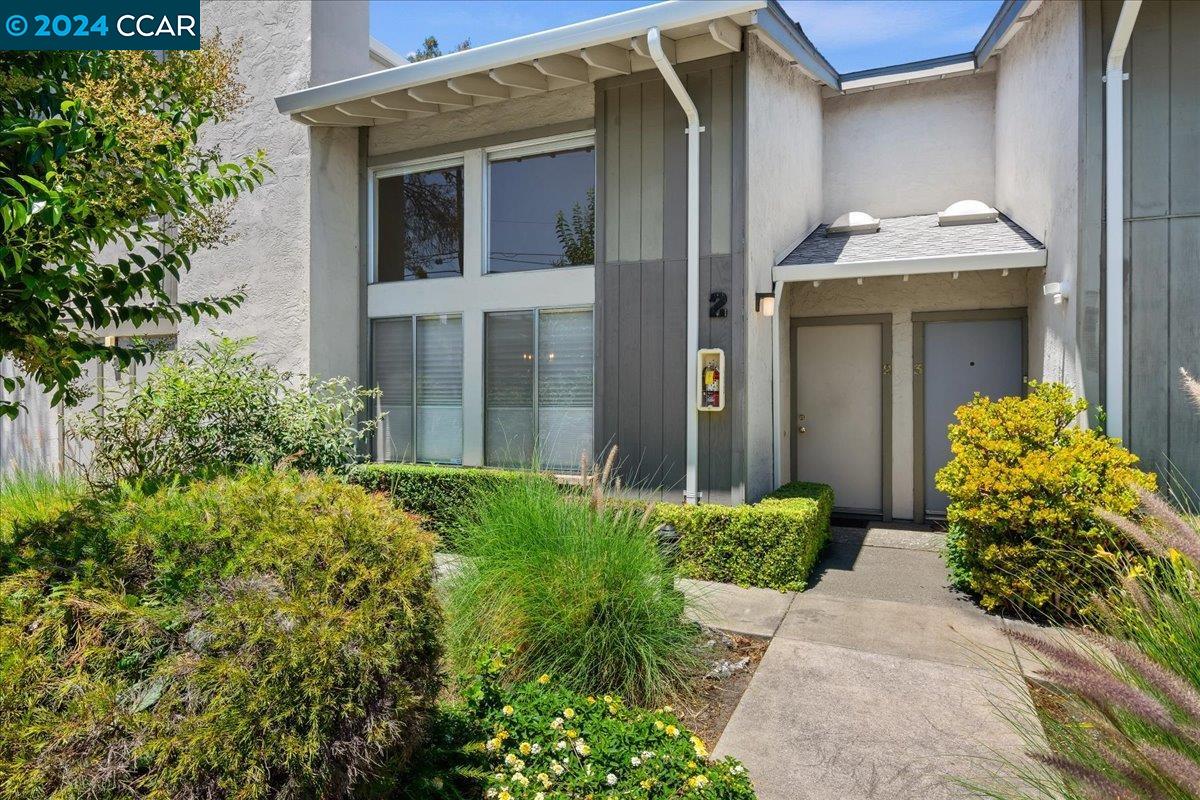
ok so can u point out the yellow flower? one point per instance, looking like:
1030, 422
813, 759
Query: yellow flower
504, 795
571, 733
591, 700
672, 731
701, 750
545, 779
698, 781
658, 724
543, 679
507, 711
502, 734
569, 713
647, 783
525, 748
608, 698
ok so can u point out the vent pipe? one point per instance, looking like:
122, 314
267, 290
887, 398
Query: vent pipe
1114, 221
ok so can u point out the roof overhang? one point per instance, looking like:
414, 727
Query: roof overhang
558, 58
967, 262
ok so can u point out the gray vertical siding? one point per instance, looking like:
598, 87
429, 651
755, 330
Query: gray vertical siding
1162, 226
641, 273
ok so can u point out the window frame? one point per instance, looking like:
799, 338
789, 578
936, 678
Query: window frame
395, 171
530, 147
537, 312
377, 443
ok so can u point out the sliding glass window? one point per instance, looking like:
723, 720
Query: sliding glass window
419, 225
417, 364
542, 210
538, 388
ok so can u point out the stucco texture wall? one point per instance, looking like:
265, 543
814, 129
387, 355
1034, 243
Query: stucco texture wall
1037, 171
561, 105
783, 203
910, 149
900, 298
304, 217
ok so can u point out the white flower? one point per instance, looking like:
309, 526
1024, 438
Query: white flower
637, 762
557, 723
540, 796
491, 792
560, 745
610, 779
535, 749
581, 748
646, 754
557, 768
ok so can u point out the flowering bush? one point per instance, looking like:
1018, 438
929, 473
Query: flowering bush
1024, 485
546, 742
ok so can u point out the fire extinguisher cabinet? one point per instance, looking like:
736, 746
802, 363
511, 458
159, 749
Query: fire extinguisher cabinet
711, 373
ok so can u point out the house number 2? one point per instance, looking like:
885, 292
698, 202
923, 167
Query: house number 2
716, 304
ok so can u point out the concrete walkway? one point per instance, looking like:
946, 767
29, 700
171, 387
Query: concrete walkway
875, 683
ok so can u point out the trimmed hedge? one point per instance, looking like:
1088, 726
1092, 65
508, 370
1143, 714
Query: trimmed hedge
436, 494
772, 544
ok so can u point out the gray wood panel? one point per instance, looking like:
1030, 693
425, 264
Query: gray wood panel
1149, 365
1185, 107
652, 170
1150, 112
641, 282
1184, 334
1162, 283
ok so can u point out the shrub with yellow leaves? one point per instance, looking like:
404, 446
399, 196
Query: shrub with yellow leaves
1024, 486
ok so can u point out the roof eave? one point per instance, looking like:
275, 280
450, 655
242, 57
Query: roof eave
775, 23
569, 38
920, 265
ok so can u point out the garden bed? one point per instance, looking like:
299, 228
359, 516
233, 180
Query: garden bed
706, 710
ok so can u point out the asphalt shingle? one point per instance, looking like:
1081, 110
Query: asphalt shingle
913, 237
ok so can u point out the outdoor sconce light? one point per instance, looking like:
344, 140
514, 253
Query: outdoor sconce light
764, 303
1061, 291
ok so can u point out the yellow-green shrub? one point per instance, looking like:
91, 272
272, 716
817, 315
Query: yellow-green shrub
773, 544
256, 636
1024, 484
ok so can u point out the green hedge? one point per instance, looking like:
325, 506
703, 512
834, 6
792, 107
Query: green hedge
436, 494
772, 544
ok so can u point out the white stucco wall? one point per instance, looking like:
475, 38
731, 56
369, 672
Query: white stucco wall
893, 295
783, 203
1037, 170
561, 105
910, 149
296, 237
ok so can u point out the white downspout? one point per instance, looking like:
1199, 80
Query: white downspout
1114, 221
654, 42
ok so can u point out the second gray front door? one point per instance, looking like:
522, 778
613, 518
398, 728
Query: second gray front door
961, 358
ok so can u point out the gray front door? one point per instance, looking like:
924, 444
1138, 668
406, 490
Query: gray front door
961, 358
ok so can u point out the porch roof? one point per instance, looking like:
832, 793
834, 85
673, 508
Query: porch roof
911, 246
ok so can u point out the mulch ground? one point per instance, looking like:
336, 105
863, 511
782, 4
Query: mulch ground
707, 707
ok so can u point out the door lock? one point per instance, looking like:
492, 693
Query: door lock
803, 429
918, 369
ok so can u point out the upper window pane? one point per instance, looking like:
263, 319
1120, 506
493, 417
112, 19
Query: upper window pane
543, 211
420, 219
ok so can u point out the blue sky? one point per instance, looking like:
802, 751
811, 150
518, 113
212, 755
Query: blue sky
853, 34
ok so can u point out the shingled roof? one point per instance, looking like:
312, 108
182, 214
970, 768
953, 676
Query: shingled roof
912, 237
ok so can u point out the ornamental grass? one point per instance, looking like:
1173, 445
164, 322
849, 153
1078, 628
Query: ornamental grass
577, 588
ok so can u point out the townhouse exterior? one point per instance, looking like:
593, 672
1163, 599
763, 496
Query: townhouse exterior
514, 245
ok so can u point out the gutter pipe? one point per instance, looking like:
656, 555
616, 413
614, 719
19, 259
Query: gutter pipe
654, 43
1114, 221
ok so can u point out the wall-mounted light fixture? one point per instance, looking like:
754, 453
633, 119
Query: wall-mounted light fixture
764, 303
1060, 291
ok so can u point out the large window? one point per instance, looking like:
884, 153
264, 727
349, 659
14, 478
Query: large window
417, 366
420, 225
542, 210
538, 388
